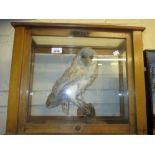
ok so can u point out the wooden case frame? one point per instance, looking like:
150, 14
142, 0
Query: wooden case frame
17, 120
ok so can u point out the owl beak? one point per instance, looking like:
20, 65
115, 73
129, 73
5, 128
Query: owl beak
88, 61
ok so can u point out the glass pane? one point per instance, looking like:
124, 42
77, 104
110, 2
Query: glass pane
149, 58
79, 77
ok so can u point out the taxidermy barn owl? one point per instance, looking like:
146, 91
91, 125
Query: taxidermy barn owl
70, 87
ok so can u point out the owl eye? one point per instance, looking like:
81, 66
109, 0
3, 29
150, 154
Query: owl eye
91, 57
83, 56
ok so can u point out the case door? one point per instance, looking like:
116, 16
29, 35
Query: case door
111, 95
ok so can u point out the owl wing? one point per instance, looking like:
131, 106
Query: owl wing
71, 75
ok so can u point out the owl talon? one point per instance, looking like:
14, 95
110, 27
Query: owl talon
87, 110
65, 108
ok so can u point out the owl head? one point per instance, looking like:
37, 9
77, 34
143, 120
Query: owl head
86, 56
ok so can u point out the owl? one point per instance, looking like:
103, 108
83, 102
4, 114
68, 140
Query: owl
70, 87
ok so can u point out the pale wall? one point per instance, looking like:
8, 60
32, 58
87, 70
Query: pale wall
6, 44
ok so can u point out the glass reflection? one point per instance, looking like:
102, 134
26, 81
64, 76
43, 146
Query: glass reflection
81, 80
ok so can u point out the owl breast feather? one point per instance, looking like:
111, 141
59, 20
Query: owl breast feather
73, 82
79, 84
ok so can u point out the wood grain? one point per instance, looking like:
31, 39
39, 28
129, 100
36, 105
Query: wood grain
131, 85
64, 32
71, 129
15, 81
25, 80
77, 25
139, 83
97, 119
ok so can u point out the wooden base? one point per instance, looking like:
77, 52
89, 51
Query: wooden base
72, 129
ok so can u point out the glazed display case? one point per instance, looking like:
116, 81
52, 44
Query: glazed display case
76, 79
149, 59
